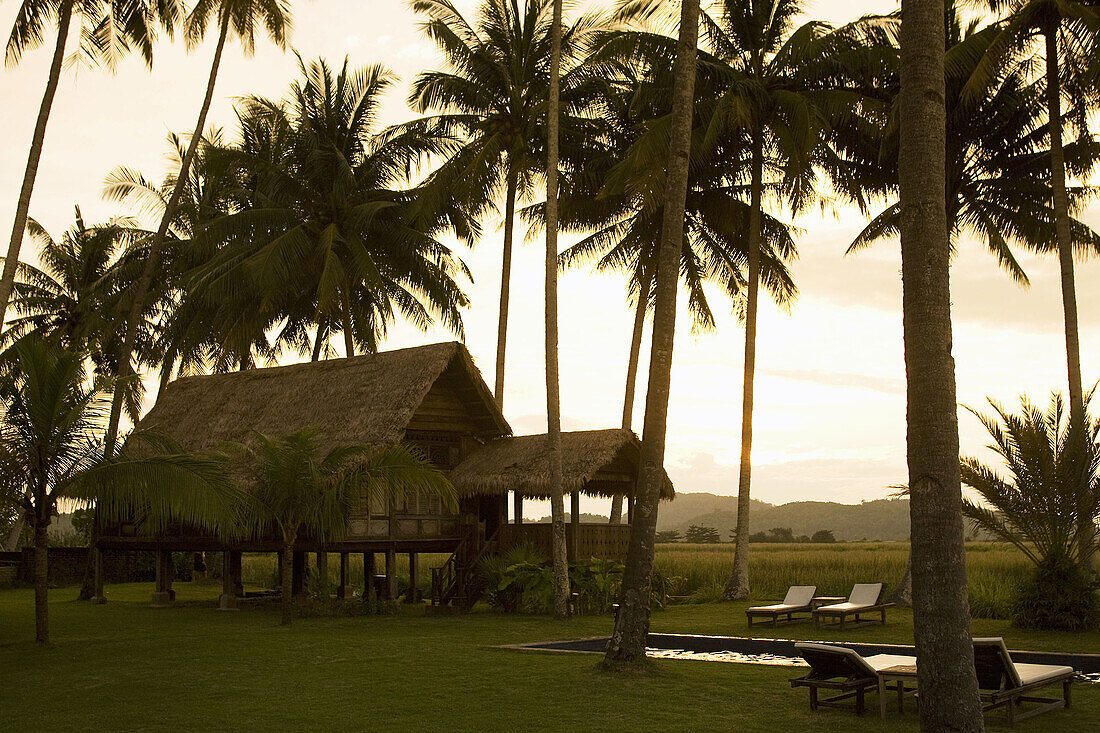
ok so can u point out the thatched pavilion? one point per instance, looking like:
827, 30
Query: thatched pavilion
432, 397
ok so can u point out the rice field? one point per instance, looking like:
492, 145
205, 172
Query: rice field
697, 573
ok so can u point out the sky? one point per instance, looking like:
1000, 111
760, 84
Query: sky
829, 418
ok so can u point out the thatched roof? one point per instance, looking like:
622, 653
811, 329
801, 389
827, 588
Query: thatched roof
365, 399
598, 462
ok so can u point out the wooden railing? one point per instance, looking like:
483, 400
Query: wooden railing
584, 541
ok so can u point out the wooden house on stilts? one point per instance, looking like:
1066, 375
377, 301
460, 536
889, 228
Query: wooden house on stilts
431, 397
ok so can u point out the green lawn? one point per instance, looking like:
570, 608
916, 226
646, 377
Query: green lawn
125, 666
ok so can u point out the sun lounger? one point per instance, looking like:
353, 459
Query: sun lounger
864, 599
799, 599
844, 671
1002, 683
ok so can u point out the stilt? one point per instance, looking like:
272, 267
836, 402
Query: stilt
368, 577
297, 574
97, 575
630, 509
413, 596
162, 590
227, 601
322, 570
342, 585
574, 522
518, 507
391, 575
235, 572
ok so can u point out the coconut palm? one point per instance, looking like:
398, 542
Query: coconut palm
242, 17
51, 450
1068, 30
492, 103
330, 237
941, 615
298, 489
998, 167
627, 643
780, 95
553, 396
76, 298
108, 30
196, 333
615, 190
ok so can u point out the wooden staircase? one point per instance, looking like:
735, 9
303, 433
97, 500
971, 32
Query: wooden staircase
456, 585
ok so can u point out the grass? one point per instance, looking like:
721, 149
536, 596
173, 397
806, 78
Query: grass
127, 666
994, 569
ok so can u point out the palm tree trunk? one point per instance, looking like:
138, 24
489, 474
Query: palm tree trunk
22, 207
345, 307
286, 581
41, 581
317, 342
632, 374
553, 397
627, 643
1086, 528
505, 284
941, 613
737, 587
153, 257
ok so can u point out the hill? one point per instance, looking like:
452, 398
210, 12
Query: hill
881, 519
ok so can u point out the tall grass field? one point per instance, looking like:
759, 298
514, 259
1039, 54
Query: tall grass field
994, 570
697, 573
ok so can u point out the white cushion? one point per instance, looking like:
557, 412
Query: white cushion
865, 594
846, 606
880, 662
1031, 673
844, 651
800, 595
780, 607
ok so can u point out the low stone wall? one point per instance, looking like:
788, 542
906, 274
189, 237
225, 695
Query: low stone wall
119, 566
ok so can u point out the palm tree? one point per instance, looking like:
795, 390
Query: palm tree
492, 104
1069, 30
330, 236
51, 450
553, 396
1053, 479
780, 95
108, 29
941, 614
998, 167
242, 17
299, 490
1066, 27
76, 298
627, 643
196, 333
615, 194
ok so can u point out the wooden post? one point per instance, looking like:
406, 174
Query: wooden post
368, 576
575, 523
97, 575
322, 569
518, 504
630, 509
391, 575
297, 573
235, 572
162, 589
413, 595
228, 599
342, 586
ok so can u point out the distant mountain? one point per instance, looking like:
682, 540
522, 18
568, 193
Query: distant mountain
586, 518
881, 519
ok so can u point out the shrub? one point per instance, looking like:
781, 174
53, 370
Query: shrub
1059, 597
